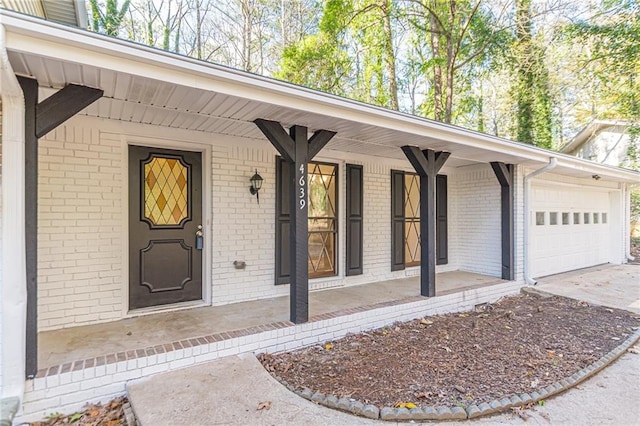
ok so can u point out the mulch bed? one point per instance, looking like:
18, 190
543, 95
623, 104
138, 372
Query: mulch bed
108, 414
516, 345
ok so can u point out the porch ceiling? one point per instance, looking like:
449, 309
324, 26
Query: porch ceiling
144, 100
144, 85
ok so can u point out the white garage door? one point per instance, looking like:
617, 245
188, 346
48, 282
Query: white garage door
569, 229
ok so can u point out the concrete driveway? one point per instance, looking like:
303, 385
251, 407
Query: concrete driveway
616, 286
228, 391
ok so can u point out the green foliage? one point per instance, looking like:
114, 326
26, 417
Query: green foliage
530, 89
315, 62
107, 17
375, 68
327, 61
75, 417
457, 40
320, 60
335, 17
613, 39
635, 205
54, 416
633, 150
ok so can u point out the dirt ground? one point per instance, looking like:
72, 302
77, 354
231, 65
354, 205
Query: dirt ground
516, 345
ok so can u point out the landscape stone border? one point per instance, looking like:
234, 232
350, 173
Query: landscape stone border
129, 415
353, 406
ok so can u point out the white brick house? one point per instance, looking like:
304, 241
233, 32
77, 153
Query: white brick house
561, 213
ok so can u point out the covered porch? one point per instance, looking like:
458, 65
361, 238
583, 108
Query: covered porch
112, 354
131, 337
85, 335
83, 189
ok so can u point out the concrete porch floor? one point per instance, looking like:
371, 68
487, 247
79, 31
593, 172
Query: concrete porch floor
61, 346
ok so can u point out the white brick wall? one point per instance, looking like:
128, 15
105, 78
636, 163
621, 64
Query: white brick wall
82, 219
475, 217
243, 229
79, 225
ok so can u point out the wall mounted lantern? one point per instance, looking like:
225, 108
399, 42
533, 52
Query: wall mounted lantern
256, 184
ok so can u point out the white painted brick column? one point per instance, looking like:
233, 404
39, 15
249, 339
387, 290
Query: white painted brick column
14, 280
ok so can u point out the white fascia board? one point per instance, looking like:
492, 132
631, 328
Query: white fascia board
35, 36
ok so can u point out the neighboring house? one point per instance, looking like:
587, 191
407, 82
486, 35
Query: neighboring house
602, 141
606, 142
69, 12
125, 175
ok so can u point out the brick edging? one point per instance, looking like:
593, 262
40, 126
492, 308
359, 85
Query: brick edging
358, 408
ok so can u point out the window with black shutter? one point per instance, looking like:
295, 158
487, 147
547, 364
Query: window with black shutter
323, 219
405, 220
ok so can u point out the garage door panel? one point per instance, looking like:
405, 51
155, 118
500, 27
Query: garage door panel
567, 245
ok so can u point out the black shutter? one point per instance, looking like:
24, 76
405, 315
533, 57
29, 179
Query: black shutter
397, 220
354, 219
283, 221
442, 244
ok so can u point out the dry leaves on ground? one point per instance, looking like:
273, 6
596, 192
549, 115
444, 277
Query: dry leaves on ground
264, 405
108, 414
513, 346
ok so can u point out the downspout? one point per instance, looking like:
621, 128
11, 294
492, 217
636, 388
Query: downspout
553, 161
13, 281
626, 205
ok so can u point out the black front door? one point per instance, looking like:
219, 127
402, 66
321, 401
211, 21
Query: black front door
165, 220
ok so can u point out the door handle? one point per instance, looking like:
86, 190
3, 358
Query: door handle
199, 238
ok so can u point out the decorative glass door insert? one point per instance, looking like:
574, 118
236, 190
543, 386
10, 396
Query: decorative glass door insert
322, 219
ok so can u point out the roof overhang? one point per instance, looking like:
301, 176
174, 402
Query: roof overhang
590, 130
152, 86
69, 12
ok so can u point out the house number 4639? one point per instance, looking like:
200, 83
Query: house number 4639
302, 183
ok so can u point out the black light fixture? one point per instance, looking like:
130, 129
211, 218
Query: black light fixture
596, 177
256, 184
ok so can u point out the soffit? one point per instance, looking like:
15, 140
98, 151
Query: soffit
144, 100
69, 12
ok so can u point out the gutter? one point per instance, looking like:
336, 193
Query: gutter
553, 161
13, 283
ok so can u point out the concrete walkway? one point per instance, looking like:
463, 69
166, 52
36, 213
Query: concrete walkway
228, 391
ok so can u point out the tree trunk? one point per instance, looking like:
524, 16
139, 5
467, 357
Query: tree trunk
524, 90
167, 28
247, 14
451, 63
198, 29
437, 69
151, 18
390, 61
